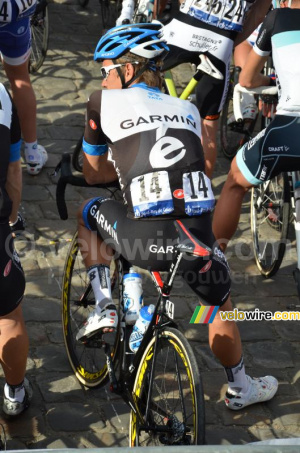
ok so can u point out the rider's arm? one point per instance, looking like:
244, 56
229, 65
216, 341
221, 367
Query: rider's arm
250, 76
254, 17
97, 169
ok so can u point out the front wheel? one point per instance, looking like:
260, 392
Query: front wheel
270, 214
176, 414
87, 360
39, 28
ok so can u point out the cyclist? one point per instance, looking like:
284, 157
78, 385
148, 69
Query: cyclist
275, 149
155, 151
15, 48
13, 334
212, 28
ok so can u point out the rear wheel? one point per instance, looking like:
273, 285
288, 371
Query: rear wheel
39, 26
270, 214
87, 360
109, 12
176, 413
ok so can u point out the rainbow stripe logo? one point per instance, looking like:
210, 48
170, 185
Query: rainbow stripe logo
204, 315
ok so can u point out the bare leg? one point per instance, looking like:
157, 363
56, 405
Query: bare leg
224, 338
24, 99
228, 208
14, 187
209, 143
14, 345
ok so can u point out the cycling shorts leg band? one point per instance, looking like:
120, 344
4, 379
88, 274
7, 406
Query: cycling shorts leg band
92, 208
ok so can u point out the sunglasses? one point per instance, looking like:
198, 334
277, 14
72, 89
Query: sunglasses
105, 70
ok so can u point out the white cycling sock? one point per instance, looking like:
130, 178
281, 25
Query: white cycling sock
99, 276
32, 153
14, 393
236, 375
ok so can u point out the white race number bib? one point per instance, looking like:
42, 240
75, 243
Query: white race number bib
151, 195
198, 194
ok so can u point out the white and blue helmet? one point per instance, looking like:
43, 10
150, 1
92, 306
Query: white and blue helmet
143, 40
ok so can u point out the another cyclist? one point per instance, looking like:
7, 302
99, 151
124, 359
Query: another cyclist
15, 48
155, 151
212, 28
275, 149
13, 334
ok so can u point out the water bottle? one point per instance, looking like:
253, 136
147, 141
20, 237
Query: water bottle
132, 296
140, 327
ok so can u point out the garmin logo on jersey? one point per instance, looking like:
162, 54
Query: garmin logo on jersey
103, 223
189, 120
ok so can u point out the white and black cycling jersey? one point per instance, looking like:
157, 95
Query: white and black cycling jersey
155, 147
10, 135
280, 34
224, 14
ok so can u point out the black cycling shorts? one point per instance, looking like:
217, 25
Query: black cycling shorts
149, 244
272, 151
12, 280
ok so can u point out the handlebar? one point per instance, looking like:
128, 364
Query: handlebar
67, 177
238, 89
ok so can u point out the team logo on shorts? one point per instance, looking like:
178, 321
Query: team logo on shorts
93, 125
7, 268
21, 30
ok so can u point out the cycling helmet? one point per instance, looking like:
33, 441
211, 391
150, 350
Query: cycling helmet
144, 40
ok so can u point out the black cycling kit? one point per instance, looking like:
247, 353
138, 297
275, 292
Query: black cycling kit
155, 146
12, 281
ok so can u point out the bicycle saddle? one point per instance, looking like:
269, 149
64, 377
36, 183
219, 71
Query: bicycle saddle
188, 243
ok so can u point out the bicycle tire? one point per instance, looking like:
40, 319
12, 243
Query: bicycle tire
270, 215
233, 136
39, 28
83, 3
173, 348
77, 156
109, 12
88, 361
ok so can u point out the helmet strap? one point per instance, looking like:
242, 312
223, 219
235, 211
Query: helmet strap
136, 76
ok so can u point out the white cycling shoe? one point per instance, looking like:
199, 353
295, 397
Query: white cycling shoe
259, 390
35, 163
106, 319
249, 113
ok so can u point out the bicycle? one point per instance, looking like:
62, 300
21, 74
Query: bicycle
205, 66
109, 11
39, 26
234, 135
161, 383
273, 208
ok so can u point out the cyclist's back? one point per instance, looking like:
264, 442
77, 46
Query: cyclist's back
281, 36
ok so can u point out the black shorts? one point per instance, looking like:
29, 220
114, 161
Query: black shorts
12, 280
149, 244
272, 151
